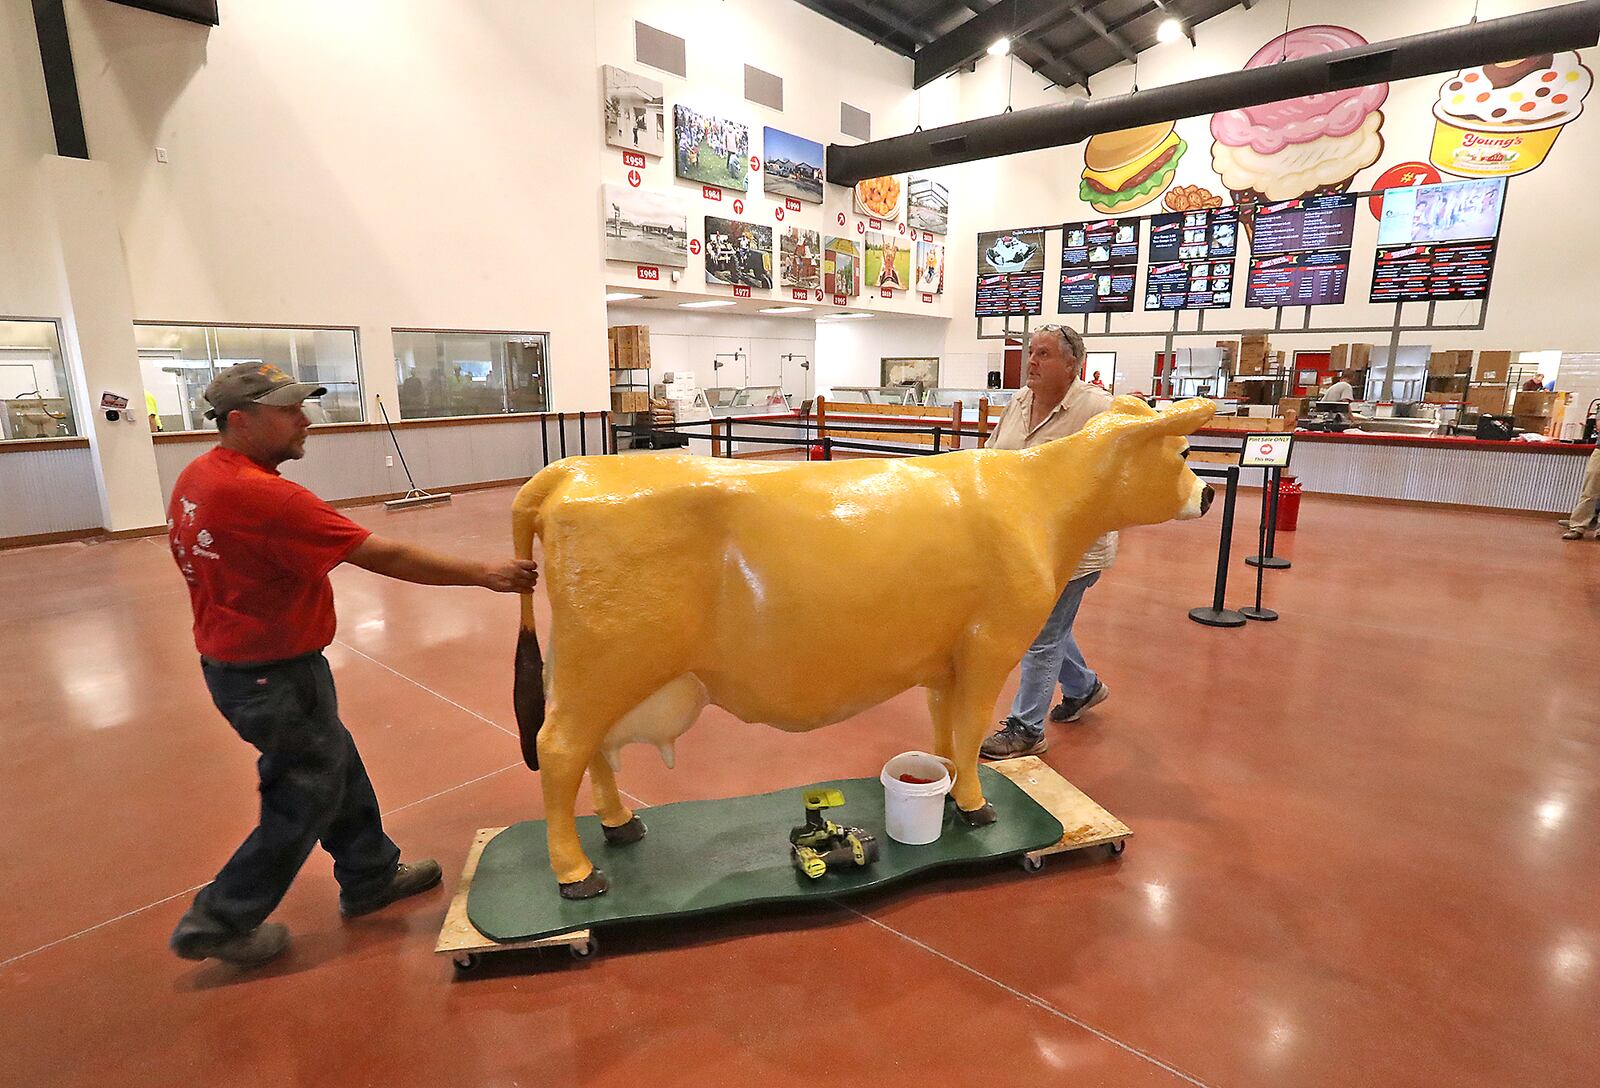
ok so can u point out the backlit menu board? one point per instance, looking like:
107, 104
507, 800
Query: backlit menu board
1438, 241
1010, 273
1099, 265
1300, 252
1192, 260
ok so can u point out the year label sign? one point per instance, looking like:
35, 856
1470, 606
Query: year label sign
649, 272
741, 292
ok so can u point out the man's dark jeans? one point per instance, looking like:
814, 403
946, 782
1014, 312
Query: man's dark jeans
313, 788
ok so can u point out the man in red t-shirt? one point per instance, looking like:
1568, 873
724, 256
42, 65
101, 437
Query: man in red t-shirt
256, 550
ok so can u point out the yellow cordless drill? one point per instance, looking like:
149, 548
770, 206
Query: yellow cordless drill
822, 844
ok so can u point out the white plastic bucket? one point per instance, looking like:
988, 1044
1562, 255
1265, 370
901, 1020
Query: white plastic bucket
913, 813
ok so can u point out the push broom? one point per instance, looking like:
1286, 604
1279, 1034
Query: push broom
416, 496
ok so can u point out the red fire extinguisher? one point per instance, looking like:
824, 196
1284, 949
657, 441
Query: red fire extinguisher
1288, 503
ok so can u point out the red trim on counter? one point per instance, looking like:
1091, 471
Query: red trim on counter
1420, 441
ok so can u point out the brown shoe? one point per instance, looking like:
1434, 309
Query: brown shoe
410, 879
266, 942
1013, 739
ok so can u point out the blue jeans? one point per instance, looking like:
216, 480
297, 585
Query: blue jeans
1054, 657
313, 789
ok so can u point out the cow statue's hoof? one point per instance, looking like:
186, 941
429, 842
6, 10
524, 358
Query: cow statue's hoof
590, 886
982, 816
625, 835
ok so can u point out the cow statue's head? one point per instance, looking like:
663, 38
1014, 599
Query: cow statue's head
1147, 453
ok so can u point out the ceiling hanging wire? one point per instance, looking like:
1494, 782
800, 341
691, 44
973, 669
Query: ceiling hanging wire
1288, 11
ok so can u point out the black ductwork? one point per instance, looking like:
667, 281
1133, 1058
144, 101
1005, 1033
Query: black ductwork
1571, 26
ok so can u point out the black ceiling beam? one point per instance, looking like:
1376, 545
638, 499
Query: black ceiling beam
203, 12
1550, 30
881, 35
969, 41
1047, 62
1098, 25
60, 78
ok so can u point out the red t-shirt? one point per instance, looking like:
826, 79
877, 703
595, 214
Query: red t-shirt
256, 550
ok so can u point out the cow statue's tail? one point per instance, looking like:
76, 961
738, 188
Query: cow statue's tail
527, 693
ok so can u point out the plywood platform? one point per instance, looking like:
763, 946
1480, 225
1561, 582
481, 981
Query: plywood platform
1085, 824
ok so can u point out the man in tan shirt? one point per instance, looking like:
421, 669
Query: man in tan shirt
1055, 404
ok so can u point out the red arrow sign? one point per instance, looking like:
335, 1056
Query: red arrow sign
738, 206
841, 219
633, 178
819, 294
694, 246
778, 214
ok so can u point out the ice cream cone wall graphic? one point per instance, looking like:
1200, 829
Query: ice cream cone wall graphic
1502, 119
1310, 146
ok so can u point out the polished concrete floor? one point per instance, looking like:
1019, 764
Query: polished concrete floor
1365, 845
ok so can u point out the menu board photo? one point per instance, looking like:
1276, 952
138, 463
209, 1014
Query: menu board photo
1099, 266
1010, 273
1300, 254
1437, 242
1192, 260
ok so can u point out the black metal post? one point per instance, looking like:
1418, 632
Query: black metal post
544, 435
583, 433
1267, 556
1217, 615
561, 422
1256, 612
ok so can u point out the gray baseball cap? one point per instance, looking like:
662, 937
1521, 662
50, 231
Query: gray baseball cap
256, 383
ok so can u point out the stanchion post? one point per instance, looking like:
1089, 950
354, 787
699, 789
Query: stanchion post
1217, 615
1267, 557
1256, 612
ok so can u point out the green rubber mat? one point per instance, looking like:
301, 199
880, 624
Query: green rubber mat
704, 856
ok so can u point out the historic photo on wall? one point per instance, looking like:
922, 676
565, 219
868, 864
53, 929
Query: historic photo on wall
841, 267
793, 166
927, 205
800, 258
644, 227
635, 112
711, 150
888, 261
738, 253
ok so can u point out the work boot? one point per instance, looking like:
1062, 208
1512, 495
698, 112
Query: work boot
1070, 710
266, 942
407, 880
1013, 738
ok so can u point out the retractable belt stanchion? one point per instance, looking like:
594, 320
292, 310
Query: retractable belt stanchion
1266, 558
1217, 615
1255, 611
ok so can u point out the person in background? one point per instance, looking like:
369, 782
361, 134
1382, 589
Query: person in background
1340, 390
152, 411
1055, 404
1533, 384
1585, 516
256, 551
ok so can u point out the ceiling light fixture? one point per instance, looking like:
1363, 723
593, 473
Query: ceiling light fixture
1000, 48
1170, 30
705, 305
621, 296
846, 317
786, 310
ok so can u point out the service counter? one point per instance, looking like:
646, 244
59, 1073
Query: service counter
1533, 476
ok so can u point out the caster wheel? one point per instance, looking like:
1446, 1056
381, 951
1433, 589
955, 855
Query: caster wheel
467, 962
1117, 847
1032, 864
585, 950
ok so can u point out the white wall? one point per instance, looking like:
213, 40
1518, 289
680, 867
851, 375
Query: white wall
686, 341
851, 352
1537, 303
360, 163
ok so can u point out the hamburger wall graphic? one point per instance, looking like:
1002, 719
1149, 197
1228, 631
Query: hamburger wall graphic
1128, 169
1309, 146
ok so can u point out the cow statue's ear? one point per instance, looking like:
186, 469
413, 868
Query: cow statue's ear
1185, 417
1131, 406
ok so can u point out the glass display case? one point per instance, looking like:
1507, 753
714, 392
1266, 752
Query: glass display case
874, 394
757, 399
969, 398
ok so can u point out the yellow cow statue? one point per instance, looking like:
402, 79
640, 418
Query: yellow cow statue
773, 591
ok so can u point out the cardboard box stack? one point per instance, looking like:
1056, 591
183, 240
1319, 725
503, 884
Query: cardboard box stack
1489, 400
1348, 357
1253, 353
1493, 366
630, 347
1447, 364
1230, 355
1539, 411
630, 400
